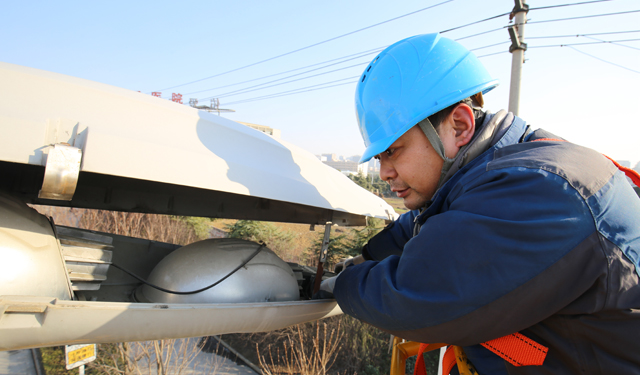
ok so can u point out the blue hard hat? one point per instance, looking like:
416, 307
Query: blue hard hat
411, 80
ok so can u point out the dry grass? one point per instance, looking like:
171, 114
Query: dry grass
162, 228
304, 352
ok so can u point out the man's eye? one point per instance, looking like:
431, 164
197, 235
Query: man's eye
389, 152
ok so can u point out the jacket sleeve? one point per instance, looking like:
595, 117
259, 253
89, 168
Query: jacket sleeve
483, 268
391, 240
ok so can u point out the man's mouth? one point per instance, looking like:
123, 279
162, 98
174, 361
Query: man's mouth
401, 193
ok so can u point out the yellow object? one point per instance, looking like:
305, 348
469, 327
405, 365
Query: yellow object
403, 350
465, 367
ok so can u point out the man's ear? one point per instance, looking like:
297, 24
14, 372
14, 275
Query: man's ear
457, 129
464, 124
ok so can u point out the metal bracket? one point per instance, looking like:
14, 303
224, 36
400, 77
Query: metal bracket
61, 172
520, 6
325, 243
323, 257
515, 41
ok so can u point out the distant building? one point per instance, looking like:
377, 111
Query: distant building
373, 165
329, 157
349, 165
275, 133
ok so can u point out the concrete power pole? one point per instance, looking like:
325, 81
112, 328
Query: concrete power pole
517, 48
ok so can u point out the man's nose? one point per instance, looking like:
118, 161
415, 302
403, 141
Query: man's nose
387, 172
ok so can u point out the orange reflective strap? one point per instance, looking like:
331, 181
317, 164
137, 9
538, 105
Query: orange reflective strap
518, 349
448, 360
420, 368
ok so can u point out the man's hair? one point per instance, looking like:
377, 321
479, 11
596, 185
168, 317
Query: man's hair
437, 118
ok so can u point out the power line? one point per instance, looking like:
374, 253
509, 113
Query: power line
312, 45
508, 13
568, 5
380, 23
304, 89
359, 54
581, 17
617, 44
481, 33
490, 45
597, 58
473, 23
376, 49
505, 14
298, 90
586, 35
244, 91
491, 54
582, 44
291, 92
363, 54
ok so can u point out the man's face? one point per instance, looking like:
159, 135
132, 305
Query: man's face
412, 168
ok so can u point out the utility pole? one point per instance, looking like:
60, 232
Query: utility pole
517, 48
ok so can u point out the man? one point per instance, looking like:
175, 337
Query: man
511, 230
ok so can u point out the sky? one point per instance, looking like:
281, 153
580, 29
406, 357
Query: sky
585, 93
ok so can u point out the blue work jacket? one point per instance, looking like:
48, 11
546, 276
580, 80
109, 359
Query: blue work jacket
537, 237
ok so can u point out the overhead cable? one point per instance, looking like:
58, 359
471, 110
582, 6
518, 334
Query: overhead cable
359, 54
246, 90
597, 58
318, 86
473, 23
306, 89
491, 54
481, 33
312, 45
364, 53
585, 43
614, 43
564, 45
580, 17
490, 45
586, 35
237, 92
568, 5
353, 79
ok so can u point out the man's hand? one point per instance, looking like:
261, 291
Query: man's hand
326, 288
346, 262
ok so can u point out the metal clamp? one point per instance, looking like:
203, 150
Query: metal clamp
61, 172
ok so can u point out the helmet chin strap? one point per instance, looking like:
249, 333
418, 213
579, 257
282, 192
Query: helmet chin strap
432, 135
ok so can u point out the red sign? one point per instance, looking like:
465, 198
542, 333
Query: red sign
156, 94
176, 98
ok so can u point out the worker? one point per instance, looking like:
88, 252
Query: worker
511, 230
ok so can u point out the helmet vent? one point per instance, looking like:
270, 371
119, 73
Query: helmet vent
363, 77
